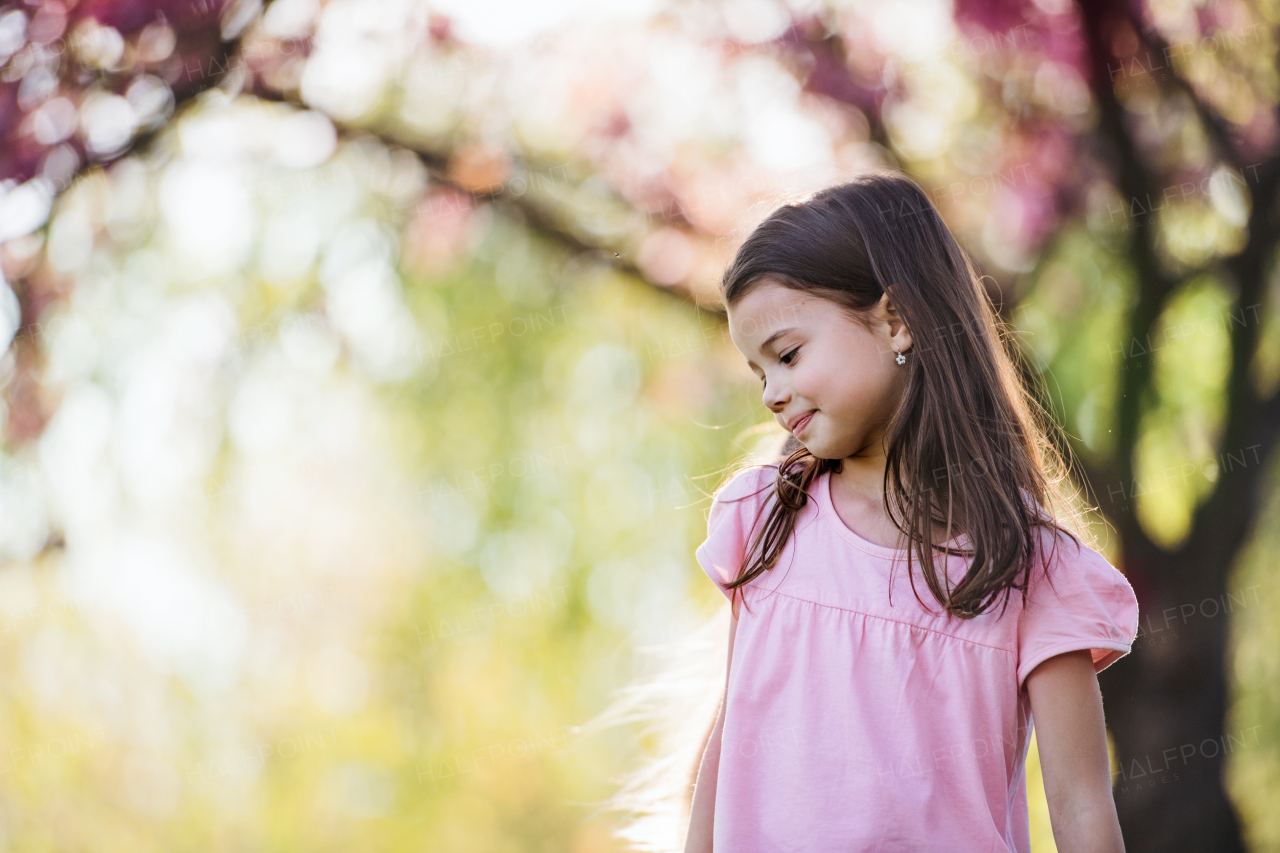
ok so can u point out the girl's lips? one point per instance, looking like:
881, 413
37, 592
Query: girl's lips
800, 424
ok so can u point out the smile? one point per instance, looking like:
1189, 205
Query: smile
800, 424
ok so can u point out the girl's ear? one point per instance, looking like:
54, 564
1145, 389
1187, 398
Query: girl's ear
899, 334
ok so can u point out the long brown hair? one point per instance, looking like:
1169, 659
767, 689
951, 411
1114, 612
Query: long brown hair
968, 448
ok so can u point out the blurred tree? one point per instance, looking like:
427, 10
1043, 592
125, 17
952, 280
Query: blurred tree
1121, 159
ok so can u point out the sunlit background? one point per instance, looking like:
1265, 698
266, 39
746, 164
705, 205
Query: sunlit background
366, 385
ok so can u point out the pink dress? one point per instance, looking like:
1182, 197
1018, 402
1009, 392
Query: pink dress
854, 724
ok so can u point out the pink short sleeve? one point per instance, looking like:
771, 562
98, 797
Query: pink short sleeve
1088, 605
729, 523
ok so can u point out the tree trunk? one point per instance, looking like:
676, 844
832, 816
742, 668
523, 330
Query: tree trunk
1165, 706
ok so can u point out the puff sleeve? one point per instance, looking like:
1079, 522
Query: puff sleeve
1088, 605
729, 523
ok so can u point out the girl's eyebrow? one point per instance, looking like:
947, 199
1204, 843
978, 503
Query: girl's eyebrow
770, 340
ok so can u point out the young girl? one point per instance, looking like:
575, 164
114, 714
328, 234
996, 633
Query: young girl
859, 714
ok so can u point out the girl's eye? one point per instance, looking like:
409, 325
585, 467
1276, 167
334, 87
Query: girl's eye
787, 358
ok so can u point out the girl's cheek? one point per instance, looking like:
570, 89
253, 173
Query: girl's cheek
833, 381
808, 383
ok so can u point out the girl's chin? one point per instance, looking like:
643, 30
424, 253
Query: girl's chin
826, 450
818, 449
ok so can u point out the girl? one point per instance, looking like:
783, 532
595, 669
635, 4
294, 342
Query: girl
858, 714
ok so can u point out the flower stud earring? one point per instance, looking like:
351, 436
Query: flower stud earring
901, 359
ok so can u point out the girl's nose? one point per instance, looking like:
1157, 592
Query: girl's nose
775, 397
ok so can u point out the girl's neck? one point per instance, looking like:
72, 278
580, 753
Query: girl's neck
861, 477
857, 492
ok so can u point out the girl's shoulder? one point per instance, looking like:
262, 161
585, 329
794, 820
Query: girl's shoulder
731, 520
1067, 551
751, 482
1064, 546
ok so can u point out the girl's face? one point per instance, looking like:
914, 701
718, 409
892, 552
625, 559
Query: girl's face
828, 380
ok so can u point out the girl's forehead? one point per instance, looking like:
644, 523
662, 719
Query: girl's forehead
763, 311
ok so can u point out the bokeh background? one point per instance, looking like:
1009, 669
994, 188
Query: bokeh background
366, 384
